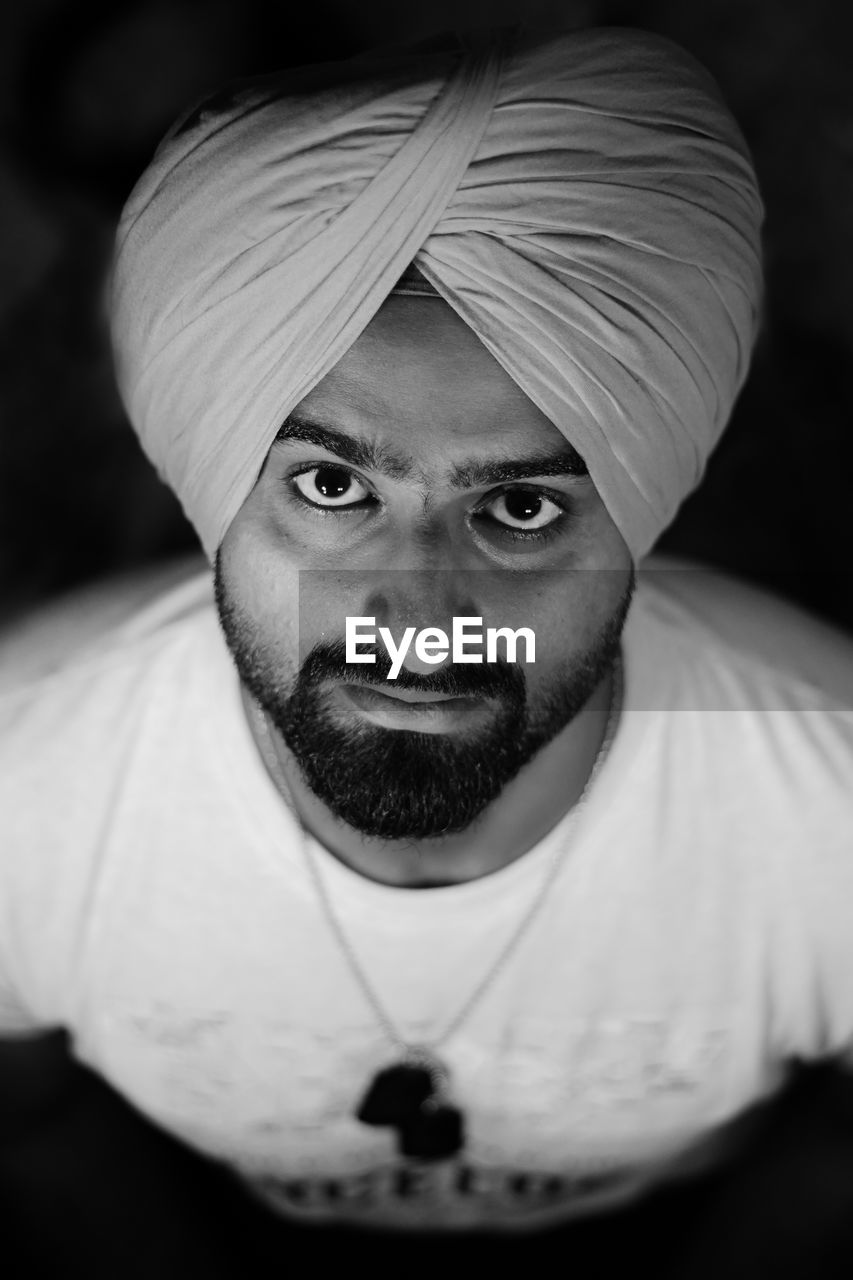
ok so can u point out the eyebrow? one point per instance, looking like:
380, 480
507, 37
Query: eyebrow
562, 462
360, 452
353, 449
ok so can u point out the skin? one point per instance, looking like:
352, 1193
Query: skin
429, 540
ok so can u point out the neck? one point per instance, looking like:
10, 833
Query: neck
527, 809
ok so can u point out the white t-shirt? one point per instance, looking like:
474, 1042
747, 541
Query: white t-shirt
156, 902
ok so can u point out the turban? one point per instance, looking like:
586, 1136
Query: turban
583, 201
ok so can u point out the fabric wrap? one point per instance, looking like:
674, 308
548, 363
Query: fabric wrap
584, 201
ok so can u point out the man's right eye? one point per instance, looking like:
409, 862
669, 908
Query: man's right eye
330, 486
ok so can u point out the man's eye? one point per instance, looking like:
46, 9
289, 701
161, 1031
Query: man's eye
330, 486
523, 509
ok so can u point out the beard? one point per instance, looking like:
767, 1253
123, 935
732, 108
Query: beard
395, 784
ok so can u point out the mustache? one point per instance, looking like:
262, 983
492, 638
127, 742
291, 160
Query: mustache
327, 661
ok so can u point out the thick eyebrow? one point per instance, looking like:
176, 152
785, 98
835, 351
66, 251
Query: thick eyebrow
473, 474
352, 449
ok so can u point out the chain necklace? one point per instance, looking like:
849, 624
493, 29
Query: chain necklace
413, 1096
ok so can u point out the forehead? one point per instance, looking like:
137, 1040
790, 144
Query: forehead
418, 377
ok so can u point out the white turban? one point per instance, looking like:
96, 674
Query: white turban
585, 202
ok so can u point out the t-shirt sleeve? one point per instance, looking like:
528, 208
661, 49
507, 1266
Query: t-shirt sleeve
76, 683
34, 810
821, 890
14, 1018
833, 926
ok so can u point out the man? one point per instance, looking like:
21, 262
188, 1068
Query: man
429, 342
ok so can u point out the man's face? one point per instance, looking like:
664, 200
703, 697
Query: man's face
417, 483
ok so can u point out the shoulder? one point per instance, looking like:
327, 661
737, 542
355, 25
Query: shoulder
763, 694
749, 703
80, 676
80, 681
75, 629
770, 649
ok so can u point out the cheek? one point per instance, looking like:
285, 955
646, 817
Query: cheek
260, 575
566, 610
289, 608
262, 583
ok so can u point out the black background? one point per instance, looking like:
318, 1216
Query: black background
86, 91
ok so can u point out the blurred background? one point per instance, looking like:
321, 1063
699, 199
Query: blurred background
88, 87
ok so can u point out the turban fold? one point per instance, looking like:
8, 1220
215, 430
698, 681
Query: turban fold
584, 202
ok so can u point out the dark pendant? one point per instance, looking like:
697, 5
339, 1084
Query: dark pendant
433, 1134
410, 1098
395, 1095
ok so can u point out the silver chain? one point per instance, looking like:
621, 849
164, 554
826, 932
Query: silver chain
387, 1024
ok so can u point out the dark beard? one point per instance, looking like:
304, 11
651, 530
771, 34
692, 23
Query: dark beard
400, 785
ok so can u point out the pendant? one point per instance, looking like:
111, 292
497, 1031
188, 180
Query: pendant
409, 1097
435, 1133
395, 1095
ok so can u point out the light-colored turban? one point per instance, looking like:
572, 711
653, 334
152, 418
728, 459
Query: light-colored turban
584, 201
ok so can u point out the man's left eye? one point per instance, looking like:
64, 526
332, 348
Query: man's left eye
330, 486
523, 509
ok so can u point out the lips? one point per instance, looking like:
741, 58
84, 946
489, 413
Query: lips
407, 708
409, 695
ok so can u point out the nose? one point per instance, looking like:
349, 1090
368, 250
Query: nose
420, 599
